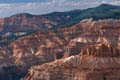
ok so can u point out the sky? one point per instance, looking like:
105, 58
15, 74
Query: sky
37, 7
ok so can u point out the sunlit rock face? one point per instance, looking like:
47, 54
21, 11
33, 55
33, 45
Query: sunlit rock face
66, 40
95, 62
50, 45
105, 31
45, 46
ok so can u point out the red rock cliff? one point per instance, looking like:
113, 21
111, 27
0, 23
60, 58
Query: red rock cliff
96, 62
45, 46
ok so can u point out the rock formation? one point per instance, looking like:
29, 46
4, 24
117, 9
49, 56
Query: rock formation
48, 45
23, 22
95, 62
27, 40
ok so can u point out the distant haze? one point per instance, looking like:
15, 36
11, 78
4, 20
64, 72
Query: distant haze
37, 7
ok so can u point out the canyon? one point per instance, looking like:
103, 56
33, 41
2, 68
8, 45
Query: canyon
95, 62
51, 45
73, 45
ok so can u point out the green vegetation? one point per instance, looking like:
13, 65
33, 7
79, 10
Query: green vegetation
103, 11
67, 19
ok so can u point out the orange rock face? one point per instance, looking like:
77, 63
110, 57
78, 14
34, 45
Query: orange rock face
65, 42
91, 64
22, 22
45, 46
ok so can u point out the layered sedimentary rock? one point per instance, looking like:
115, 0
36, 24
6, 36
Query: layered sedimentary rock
23, 22
106, 31
45, 46
67, 40
27, 22
95, 62
24, 43
64, 42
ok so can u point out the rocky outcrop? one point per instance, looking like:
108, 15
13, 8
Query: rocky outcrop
24, 43
95, 62
50, 45
23, 22
27, 22
105, 31
44, 46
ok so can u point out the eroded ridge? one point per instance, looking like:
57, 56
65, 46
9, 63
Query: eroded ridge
92, 63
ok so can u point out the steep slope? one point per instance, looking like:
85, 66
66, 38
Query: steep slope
66, 40
27, 40
105, 31
21, 24
24, 21
28, 22
48, 45
104, 11
95, 62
